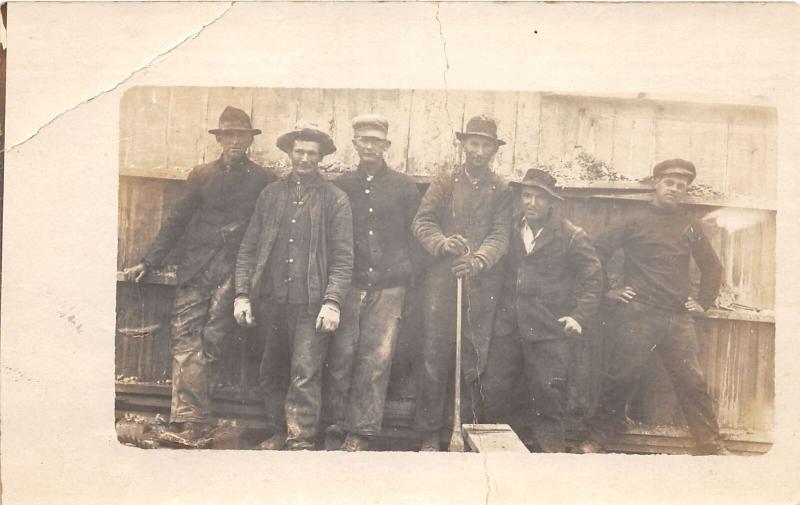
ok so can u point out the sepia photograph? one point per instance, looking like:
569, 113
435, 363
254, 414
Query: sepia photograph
380, 253
424, 270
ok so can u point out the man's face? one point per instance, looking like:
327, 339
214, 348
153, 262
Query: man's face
536, 203
670, 190
234, 144
370, 149
305, 156
479, 151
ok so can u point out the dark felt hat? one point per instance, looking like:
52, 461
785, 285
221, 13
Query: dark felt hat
482, 126
675, 167
233, 119
536, 178
306, 131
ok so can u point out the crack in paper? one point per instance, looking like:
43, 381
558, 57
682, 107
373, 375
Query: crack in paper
126, 79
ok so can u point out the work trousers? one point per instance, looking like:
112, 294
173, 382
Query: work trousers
643, 331
543, 365
435, 378
202, 319
360, 358
291, 370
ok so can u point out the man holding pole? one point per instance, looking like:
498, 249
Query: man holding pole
553, 284
463, 223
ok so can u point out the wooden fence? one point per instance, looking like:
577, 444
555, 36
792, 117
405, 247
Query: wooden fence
163, 133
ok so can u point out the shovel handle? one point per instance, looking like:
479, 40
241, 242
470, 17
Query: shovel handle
457, 439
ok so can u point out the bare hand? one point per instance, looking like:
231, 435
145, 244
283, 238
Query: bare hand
623, 295
455, 245
243, 312
692, 306
571, 326
328, 318
136, 272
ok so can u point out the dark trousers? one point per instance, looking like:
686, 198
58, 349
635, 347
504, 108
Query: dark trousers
360, 359
435, 381
202, 318
291, 370
543, 365
671, 335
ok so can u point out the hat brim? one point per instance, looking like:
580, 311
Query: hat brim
530, 184
463, 135
676, 171
217, 131
286, 141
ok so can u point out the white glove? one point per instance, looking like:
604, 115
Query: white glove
328, 318
243, 312
571, 326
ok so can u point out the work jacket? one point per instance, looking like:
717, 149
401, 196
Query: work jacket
480, 210
212, 214
561, 276
330, 253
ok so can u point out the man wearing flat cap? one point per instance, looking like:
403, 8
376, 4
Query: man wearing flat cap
209, 221
293, 273
387, 256
657, 307
552, 290
463, 224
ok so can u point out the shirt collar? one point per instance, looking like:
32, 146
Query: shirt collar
241, 165
312, 181
362, 172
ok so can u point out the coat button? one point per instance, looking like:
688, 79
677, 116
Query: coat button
371, 269
294, 221
366, 191
370, 209
291, 240
290, 260
371, 232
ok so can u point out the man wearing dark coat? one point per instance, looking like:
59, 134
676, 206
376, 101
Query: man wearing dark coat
657, 308
463, 224
293, 274
209, 221
553, 284
387, 256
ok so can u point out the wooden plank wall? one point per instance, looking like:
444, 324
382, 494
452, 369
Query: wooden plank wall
163, 134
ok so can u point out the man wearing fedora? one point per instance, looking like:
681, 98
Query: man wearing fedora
463, 224
387, 256
553, 285
209, 221
293, 273
657, 307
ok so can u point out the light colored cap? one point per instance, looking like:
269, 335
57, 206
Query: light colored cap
371, 125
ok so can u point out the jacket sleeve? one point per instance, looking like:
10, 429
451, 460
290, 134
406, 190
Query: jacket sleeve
175, 225
588, 271
248, 248
426, 226
495, 244
709, 264
414, 257
340, 250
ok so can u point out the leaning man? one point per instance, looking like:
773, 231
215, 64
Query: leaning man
209, 220
553, 286
293, 273
387, 256
657, 308
463, 224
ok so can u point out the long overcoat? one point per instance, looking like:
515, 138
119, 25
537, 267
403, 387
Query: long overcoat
480, 210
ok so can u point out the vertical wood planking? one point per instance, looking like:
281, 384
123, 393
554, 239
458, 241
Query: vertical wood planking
435, 117
187, 131
218, 99
596, 123
275, 113
147, 123
396, 106
528, 130
559, 130
634, 140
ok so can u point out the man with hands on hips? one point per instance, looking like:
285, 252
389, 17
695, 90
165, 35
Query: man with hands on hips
293, 272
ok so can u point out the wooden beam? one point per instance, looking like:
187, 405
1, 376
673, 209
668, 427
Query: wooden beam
493, 438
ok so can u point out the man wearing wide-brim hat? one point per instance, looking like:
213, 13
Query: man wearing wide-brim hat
552, 290
657, 302
463, 224
293, 273
210, 220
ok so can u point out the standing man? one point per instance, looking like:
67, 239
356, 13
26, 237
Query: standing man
211, 219
292, 276
463, 223
384, 203
552, 290
657, 308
